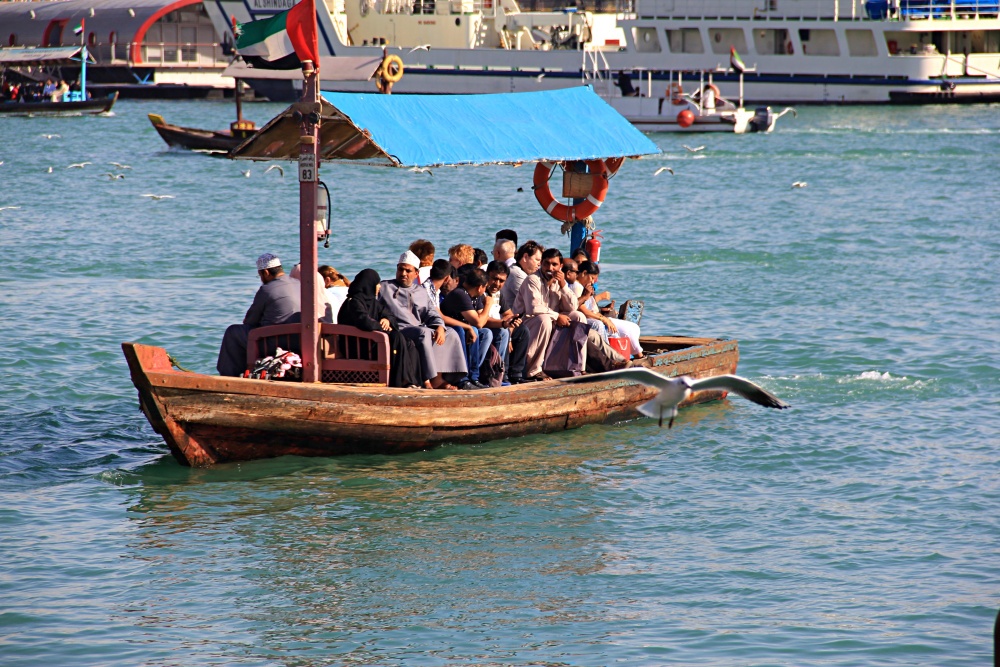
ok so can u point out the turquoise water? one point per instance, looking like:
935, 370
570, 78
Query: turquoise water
858, 528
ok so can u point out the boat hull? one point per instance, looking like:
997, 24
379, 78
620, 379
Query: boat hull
193, 138
207, 419
93, 106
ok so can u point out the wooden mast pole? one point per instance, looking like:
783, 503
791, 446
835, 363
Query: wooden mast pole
309, 109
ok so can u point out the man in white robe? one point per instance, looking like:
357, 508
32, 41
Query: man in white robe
438, 346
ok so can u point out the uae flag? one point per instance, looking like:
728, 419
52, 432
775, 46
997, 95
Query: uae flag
735, 61
78, 30
282, 41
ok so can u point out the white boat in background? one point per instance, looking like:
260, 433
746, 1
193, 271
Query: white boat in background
802, 51
676, 109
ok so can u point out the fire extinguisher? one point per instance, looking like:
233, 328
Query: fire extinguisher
593, 246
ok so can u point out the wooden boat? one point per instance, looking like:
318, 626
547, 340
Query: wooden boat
211, 141
72, 103
342, 404
210, 419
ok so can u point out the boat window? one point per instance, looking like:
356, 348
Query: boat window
646, 40
770, 42
685, 40
722, 39
861, 43
189, 44
819, 42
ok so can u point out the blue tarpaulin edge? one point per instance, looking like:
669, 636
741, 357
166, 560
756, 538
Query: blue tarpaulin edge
438, 130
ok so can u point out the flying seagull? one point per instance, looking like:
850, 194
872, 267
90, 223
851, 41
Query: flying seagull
663, 169
79, 165
119, 165
9, 208
245, 173
52, 136
113, 177
278, 167
421, 170
50, 170
695, 149
422, 47
799, 184
675, 390
158, 197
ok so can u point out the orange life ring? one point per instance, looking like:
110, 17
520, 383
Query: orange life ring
561, 212
614, 164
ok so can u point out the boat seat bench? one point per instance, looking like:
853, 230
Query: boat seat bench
347, 355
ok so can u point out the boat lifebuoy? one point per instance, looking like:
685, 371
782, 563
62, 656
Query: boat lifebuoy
613, 165
561, 212
391, 69
675, 93
789, 49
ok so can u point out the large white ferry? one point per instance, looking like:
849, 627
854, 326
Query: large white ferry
800, 51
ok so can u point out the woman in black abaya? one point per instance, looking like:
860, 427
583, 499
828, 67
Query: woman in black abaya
363, 310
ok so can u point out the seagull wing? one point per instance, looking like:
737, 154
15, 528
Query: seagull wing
741, 386
637, 374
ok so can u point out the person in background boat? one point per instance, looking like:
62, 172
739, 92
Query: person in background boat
528, 258
503, 251
440, 351
362, 309
336, 285
510, 337
460, 307
479, 258
49, 88
461, 254
548, 303
424, 250
439, 274
708, 98
277, 301
60, 90
608, 326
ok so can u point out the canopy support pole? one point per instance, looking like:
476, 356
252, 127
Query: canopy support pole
309, 109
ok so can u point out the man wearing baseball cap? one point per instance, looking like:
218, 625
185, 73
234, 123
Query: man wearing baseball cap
278, 301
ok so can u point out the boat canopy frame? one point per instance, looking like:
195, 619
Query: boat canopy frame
30, 57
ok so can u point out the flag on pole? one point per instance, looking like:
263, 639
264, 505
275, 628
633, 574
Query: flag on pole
282, 41
735, 61
78, 30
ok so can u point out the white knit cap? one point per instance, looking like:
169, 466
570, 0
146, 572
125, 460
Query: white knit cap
267, 261
409, 258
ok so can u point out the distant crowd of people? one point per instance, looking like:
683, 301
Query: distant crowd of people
36, 91
459, 323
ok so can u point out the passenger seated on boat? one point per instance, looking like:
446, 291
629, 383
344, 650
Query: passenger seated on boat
336, 285
439, 273
503, 251
547, 303
49, 88
57, 96
468, 320
607, 326
571, 269
326, 312
510, 337
424, 250
527, 260
277, 301
362, 309
461, 254
440, 351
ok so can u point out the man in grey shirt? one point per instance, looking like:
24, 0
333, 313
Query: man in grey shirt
278, 301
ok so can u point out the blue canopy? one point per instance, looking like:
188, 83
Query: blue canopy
438, 130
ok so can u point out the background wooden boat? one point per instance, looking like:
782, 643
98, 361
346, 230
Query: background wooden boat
208, 419
91, 106
221, 141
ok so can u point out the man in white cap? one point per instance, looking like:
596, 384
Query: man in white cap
278, 301
438, 346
